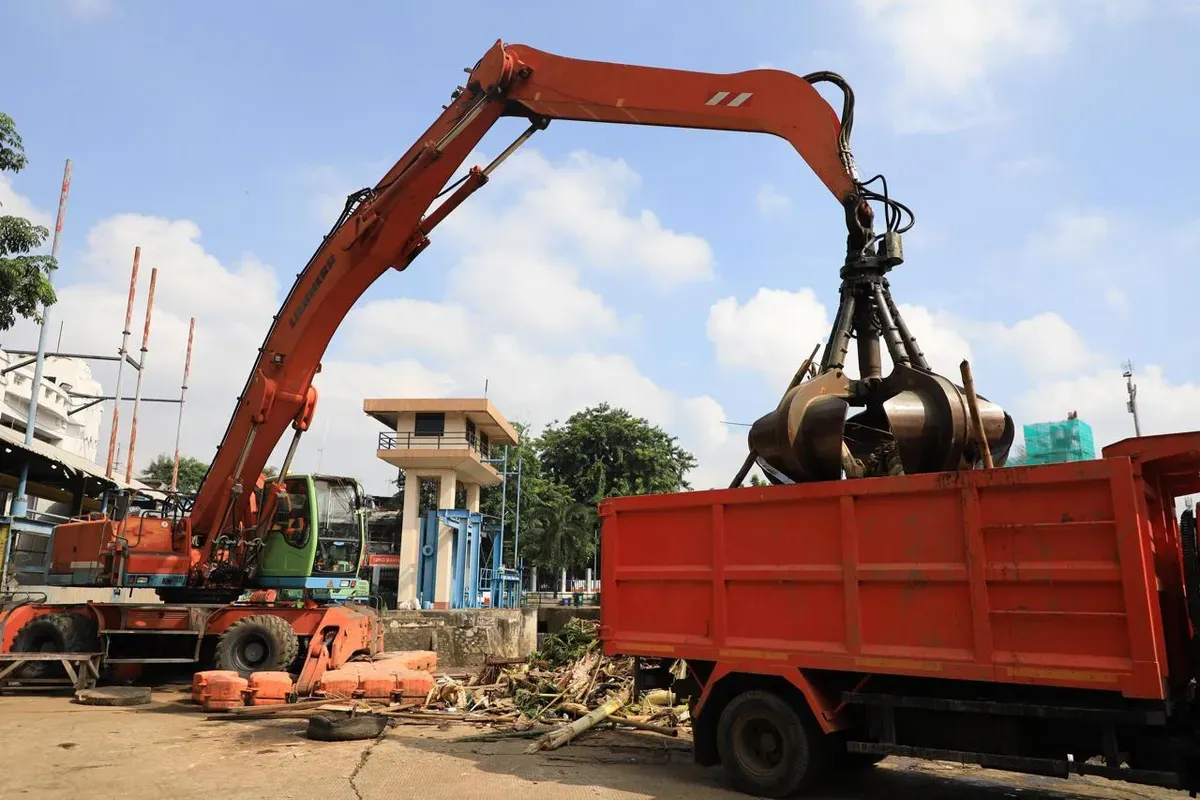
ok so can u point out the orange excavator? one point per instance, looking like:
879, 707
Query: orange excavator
213, 553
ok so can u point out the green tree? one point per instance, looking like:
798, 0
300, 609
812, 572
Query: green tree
557, 532
24, 279
191, 471
270, 472
605, 452
755, 480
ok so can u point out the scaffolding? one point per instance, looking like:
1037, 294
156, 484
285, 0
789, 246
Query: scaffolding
1055, 442
83, 400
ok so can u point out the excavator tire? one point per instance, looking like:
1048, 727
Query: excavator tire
346, 729
261, 643
54, 633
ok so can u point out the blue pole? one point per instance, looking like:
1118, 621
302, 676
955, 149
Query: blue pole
20, 501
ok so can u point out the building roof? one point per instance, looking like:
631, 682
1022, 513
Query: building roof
56, 459
479, 410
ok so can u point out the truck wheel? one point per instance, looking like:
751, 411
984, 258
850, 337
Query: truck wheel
767, 747
53, 633
259, 643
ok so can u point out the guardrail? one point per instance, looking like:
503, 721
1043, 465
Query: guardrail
390, 440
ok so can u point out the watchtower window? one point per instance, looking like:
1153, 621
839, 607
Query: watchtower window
430, 424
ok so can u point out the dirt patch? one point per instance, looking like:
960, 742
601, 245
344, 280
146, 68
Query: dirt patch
58, 749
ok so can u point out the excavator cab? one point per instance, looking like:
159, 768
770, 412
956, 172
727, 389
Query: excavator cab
315, 542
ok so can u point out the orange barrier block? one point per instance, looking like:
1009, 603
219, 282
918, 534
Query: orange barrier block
268, 688
225, 692
201, 679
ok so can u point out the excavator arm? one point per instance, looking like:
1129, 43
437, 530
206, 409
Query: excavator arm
387, 226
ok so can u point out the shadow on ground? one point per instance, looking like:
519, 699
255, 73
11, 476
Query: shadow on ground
652, 766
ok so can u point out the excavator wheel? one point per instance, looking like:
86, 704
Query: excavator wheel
54, 633
262, 642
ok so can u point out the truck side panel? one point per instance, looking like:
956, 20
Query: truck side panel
1036, 575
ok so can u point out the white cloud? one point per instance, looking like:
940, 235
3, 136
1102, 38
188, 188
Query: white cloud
939, 337
771, 333
1072, 235
13, 204
533, 208
87, 10
775, 330
1100, 397
1045, 345
947, 54
546, 364
1058, 370
771, 201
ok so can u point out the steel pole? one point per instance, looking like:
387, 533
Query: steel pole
123, 356
137, 392
20, 501
187, 366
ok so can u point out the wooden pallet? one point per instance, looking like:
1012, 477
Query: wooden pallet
82, 671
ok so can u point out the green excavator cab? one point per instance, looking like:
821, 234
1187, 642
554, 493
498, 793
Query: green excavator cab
316, 540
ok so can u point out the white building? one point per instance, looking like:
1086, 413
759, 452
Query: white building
77, 433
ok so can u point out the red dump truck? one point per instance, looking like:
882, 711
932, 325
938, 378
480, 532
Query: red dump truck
1039, 619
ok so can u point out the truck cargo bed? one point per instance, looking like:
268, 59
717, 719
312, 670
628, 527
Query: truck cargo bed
1027, 575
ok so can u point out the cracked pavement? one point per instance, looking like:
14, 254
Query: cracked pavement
56, 749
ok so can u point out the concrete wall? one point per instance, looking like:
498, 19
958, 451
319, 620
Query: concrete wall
456, 426
464, 638
551, 619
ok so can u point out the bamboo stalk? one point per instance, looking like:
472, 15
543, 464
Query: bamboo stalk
643, 726
985, 448
560, 736
275, 708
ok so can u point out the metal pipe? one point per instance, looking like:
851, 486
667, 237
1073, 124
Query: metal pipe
910, 341
126, 398
751, 457
839, 338
504, 496
870, 366
517, 515
137, 392
84, 356
891, 334
123, 355
18, 365
291, 453
540, 125
187, 366
805, 368
20, 501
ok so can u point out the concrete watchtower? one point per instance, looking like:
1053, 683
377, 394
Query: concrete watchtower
448, 440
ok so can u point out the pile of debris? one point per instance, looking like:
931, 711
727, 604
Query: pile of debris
567, 688
568, 680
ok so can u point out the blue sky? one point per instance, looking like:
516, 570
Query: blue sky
1044, 148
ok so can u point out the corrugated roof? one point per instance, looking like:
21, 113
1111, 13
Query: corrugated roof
67, 459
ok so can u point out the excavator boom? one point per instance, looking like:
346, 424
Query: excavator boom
387, 226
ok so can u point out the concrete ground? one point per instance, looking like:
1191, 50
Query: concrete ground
54, 748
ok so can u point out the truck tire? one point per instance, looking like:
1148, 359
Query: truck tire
54, 633
346, 729
261, 643
769, 748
